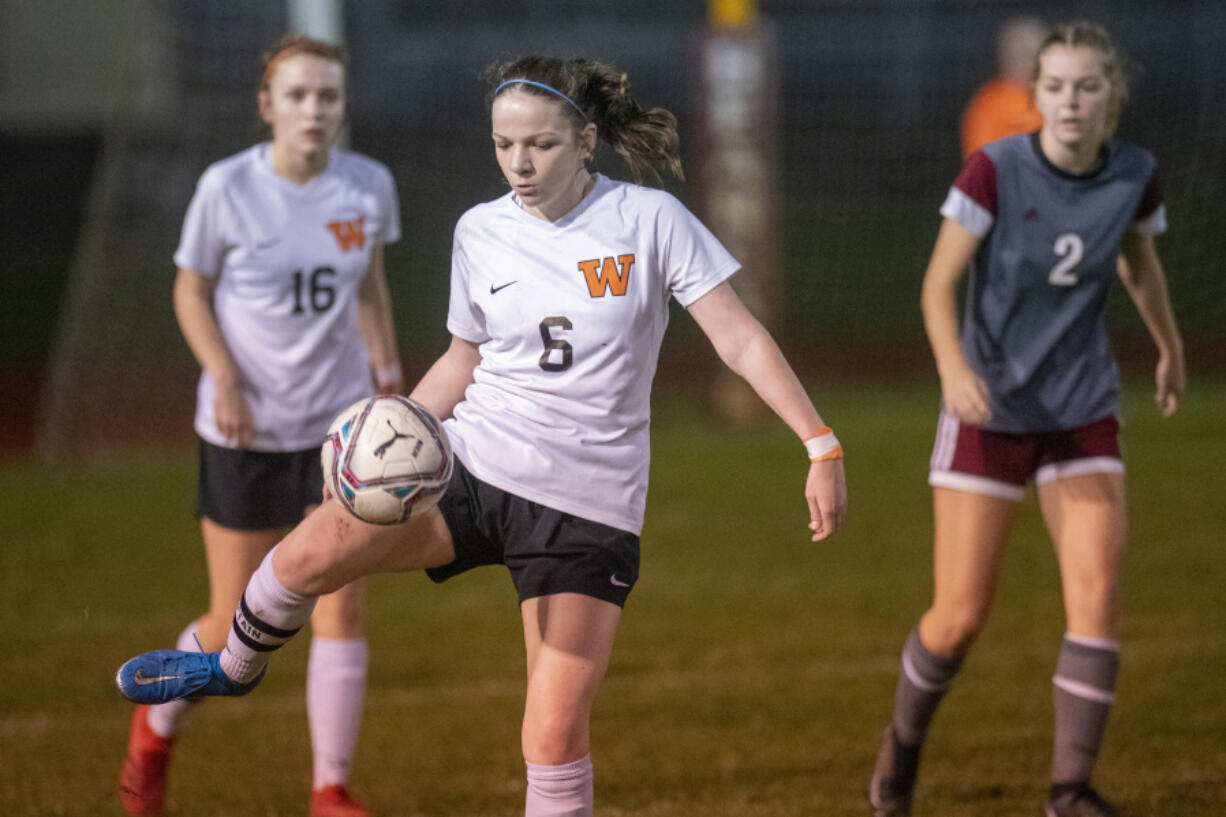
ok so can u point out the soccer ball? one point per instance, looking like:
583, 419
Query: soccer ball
386, 458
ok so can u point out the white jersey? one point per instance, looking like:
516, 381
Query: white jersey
288, 260
569, 316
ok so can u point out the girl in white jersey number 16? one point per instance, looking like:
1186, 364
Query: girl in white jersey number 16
282, 298
1030, 391
559, 300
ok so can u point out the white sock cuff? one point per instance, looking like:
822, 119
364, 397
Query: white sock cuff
1109, 644
340, 650
278, 612
567, 771
339, 656
264, 581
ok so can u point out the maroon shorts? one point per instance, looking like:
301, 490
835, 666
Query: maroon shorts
969, 458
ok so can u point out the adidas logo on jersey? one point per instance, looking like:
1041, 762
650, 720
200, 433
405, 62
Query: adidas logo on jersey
607, 275
349, 234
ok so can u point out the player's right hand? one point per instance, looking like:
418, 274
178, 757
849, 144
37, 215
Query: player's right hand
966, 397
232, 415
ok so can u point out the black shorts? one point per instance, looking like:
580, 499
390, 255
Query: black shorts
257, 490
547, 551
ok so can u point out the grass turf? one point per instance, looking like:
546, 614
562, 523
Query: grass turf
753, 670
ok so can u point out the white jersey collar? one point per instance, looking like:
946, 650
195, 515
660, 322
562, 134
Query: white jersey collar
603, 184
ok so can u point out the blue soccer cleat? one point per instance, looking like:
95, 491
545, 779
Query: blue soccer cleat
168, 675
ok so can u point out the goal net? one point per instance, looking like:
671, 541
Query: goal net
118, 368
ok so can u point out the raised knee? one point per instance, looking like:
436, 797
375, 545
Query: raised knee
305, 570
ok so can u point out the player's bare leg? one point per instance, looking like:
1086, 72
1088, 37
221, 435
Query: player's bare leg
1087, 518
971, 532
568, 639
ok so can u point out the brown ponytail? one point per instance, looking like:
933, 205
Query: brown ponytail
593, 91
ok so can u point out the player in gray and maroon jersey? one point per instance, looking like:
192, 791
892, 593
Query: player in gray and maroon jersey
1030, 390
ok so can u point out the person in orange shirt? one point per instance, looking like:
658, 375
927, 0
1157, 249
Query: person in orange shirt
1005, 104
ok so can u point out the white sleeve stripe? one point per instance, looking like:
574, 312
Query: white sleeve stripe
1153, 224
967, 212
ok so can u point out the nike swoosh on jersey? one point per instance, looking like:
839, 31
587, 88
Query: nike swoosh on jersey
495, 289
616, 582
140, 679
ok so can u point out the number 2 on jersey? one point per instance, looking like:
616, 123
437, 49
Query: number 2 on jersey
1069, 249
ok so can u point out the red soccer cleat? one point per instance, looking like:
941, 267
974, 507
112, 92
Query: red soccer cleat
142, 781
336, 801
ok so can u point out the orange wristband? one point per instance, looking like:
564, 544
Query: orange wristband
824, 446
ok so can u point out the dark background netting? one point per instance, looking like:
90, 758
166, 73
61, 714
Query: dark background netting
869, 100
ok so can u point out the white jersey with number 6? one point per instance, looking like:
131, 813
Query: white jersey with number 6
569, 316
288, 260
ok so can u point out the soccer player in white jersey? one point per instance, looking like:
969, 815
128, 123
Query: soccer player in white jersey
559, 300
282, 297
1030, 390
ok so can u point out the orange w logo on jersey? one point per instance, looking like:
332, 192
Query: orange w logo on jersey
606, 276
349, 234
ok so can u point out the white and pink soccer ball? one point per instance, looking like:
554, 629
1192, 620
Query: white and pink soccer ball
386, 459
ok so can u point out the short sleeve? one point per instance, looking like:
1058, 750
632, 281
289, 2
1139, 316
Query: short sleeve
389, 203
202, 243
464, 318
694, 260
1150, 217
972, 198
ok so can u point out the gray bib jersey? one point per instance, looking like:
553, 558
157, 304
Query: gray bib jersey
1034, 322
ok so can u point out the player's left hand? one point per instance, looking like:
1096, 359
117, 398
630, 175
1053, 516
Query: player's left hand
826, 493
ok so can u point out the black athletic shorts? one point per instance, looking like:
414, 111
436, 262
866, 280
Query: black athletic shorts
257, 490
547, 551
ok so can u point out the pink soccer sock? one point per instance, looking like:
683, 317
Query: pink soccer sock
560, 791
336, 686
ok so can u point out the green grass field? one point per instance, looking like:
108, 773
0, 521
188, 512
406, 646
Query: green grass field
753, 672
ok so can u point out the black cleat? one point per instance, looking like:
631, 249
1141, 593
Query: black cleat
894, 777
1077, 800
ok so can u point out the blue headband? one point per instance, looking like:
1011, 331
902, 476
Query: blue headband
545, 87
